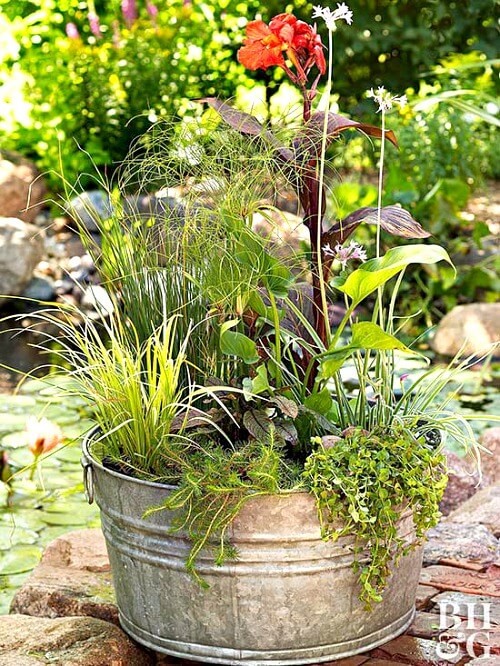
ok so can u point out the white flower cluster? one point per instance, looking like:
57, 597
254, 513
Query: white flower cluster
385, 100
344, 254
342, 13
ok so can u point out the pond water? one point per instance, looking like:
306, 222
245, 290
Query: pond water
36, 505
36, 508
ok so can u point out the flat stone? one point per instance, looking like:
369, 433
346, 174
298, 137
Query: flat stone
68, 641
485, 583
90, 209
428, 625
490, 462
285, 230
456, 542
73, 578
424, 595
468, 329
412, 650
481, 509
480, 636
459, 604
493, 660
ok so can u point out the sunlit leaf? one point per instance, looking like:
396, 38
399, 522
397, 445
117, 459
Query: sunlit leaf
237, 344
365, 335
320, 402
376, 272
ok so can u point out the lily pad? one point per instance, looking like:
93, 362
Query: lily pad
16, 403
33, 386
11, 536
16, 440
19, 559
22, 517
68, 513
11, 422
69, 454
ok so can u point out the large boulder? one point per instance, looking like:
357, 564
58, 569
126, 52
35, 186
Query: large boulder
469, 329
22, 188
21, 248
68, 641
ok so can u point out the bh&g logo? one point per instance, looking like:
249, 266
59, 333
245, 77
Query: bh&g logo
456, 632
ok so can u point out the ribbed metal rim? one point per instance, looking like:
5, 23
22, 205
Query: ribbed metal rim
89, 458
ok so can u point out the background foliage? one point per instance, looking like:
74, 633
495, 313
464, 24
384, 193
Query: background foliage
102, 90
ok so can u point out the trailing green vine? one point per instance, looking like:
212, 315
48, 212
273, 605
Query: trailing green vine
365, 480
216, 483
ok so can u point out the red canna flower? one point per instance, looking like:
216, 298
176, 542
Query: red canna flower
266, 45
262, 48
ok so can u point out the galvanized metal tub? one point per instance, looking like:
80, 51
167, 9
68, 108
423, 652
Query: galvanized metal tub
289, 598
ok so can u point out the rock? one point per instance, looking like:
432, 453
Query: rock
413, 650
483, 509
463, 482
157, 207
461, 544
444, 577
22, 189
490, 462
97, 298
21, 248
285, 231
460, 604
89, 209
40, 289
68, 641
469, 329
72, 578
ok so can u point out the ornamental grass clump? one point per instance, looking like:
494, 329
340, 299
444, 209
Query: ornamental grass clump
222, 366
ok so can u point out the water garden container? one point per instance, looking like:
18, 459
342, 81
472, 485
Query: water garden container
289, 598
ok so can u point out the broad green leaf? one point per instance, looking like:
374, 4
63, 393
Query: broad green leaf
260, 383
320, 402
273, 274
237, 344
279, 279
365, 335
376, 272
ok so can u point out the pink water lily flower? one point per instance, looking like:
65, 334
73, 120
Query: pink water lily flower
42, 435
